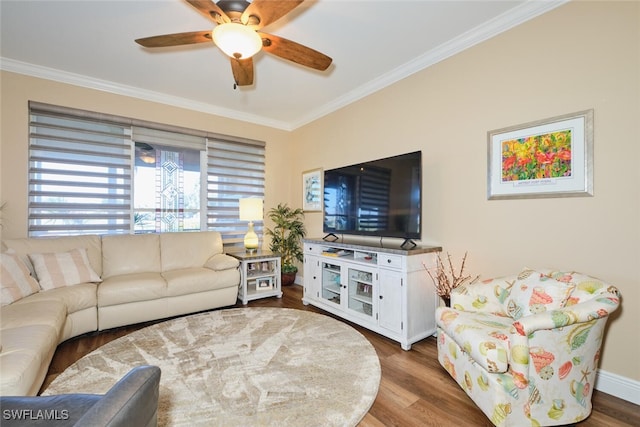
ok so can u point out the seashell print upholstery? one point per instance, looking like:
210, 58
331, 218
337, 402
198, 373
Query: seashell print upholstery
526, 347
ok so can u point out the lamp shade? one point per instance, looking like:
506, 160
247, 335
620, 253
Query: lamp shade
237, 40
251, 209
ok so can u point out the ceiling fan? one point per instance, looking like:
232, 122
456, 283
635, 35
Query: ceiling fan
237, 34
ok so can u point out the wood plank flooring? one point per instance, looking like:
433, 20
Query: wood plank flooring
414, 391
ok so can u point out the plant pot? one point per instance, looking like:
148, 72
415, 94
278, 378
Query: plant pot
288, 278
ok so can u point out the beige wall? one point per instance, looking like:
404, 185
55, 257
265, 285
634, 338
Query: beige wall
577, 57
17, 90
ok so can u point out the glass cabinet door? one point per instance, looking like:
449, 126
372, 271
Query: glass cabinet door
331, 282
360, 290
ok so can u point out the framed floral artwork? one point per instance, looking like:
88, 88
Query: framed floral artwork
546, 158
312, 190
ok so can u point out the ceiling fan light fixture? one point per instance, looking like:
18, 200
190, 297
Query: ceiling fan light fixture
237, 40
148, 158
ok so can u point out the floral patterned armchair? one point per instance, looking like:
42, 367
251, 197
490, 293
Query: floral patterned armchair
526, 348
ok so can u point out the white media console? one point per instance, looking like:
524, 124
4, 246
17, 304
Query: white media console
384, 289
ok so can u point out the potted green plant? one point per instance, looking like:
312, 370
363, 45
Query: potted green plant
286, 238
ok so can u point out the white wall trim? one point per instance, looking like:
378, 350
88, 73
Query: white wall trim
492, 28
618, 386
46, 73
525, 12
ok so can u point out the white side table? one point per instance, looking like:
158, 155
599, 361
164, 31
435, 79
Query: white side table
259, 275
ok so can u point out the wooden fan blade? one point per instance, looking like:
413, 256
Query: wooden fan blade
211, 10
267, 11
177, 39
294, 52
242, 71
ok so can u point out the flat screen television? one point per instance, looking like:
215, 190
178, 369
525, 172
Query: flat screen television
376, 198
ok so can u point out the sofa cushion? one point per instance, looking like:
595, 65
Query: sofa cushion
25, 246
193, 280
535, 292
75, 298
186, 250
128, 288
26, 352
221, 262
130, 254
487, 296
59, 269
15, 280
483, 336
32, 312
585, 286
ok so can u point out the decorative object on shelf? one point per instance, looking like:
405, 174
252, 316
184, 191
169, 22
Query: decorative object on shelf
264, 284
546, 158
251, 210
286, 238
312, 190
446, 281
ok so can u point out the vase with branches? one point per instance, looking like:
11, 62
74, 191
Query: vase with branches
447, 279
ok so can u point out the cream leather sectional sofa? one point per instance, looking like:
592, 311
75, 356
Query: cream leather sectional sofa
143, 277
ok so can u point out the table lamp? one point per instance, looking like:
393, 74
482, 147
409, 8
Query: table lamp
251, 210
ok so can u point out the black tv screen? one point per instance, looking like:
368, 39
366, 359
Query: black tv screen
376, 198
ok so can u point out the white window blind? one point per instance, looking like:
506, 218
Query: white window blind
168, 138
79, 174
81, 179
235, 170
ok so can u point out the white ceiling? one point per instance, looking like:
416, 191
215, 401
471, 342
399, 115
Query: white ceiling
373, 43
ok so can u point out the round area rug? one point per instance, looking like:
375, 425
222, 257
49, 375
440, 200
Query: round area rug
242, 367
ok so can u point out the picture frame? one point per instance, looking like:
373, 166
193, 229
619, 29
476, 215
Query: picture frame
312, 190
546, 158
264, 284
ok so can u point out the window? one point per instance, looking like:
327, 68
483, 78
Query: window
166, 189
79, 176
92, 173
167, 180
235, 170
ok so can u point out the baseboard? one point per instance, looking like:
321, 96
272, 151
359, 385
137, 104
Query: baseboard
618, 386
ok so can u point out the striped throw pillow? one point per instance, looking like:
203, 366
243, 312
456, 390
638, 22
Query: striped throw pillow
59, 269
15, 280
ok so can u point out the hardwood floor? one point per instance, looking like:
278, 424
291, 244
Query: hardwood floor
414, 391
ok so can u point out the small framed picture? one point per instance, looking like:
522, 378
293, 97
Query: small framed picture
312, 190
264, 284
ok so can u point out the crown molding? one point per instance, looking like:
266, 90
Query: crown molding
60, 76
525, 12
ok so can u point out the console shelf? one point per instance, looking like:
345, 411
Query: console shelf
384, 289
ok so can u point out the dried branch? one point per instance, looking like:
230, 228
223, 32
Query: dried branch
446, 281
